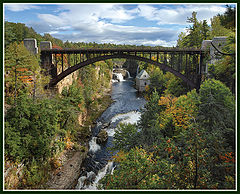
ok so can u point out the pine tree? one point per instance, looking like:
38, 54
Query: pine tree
20, 66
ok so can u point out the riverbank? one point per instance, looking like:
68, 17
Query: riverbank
66, 176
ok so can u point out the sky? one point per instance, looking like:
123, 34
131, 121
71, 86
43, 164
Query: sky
137, 24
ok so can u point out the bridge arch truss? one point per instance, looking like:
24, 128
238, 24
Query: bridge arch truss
186, 64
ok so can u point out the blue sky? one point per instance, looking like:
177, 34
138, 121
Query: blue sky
139, 24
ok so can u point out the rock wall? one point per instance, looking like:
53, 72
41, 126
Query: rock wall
131, 66
66, 82
68, 176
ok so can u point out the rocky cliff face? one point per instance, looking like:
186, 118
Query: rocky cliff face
67, 81
67, 176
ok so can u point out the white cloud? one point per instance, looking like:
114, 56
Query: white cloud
20, 7
104, 23
147, 11
178, 14
52, 19
95, 12
122, 35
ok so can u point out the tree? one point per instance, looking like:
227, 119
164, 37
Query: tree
17, 32
20, 67
157, 80
217, 29
35, 124
228, 18
138, 169
174, 85
205, 30
54, 41
217, 119
225, 69
217, 111
194, 36
9, 33
196, 33
148, 124
126, 137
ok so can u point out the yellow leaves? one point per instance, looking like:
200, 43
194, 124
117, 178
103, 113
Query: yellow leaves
179, 111
167, 101
147, 88
161, 125
154, 58
56, 163
68, 143
121, 156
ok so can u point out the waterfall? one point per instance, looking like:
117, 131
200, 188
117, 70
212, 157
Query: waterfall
129, 76
137, 69
118, 76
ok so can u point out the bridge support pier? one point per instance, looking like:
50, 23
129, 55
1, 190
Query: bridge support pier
47, 59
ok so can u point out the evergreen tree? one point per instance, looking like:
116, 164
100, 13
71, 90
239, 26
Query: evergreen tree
20, 67
197, 33
228, 18
217, 29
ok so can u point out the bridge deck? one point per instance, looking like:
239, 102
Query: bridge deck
122, 50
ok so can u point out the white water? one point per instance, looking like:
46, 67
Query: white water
119, 77
130, 117
129, 76
125, 100
93, 146
111, 132
93, 185
113, 80
81, 181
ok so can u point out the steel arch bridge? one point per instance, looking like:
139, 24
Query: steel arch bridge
185, 63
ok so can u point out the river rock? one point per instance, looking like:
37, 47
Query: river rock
105, 125
91, 176
102, 136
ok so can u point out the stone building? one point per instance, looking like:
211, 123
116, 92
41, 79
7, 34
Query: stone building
142, 79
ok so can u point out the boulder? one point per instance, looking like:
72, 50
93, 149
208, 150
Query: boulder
102, 136
105, 125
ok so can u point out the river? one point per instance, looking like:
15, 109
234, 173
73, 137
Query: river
125, 108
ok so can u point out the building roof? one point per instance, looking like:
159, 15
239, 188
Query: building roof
143, 75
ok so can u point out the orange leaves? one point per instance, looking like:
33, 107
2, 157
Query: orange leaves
228, 157
169, 149
69, 144
121, 156
177, 110
167, 101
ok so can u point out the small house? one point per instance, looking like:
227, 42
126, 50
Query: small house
142, 79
